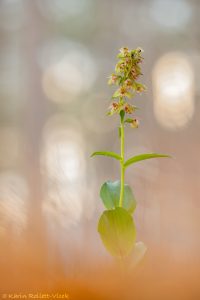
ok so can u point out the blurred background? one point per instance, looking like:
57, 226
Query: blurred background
55, 57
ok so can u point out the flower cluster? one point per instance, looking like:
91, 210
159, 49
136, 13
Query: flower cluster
127, 72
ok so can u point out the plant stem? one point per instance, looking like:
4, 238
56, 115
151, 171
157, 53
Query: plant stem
122, 164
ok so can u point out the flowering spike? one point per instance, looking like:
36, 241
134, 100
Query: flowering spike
127, 71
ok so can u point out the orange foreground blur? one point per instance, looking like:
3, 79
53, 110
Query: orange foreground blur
25, 269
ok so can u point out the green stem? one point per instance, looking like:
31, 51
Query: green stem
122, 164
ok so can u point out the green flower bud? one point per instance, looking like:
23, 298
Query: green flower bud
134, 123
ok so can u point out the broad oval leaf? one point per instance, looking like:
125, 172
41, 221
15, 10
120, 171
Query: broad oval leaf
117, 230
110, 194
106, 153
141, 157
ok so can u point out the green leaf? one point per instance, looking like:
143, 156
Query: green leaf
120, 55
110, 194
129, 120
106, 153
116, 94
129, 95
141, 157
117, 230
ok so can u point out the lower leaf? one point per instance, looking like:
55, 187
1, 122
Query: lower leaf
117, 230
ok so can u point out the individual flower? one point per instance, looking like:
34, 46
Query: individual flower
128, 108
128, 83
127, 61
136, 55
139, 49
115, 107
113, 78
124, 51
140, 87
134, 73
120, 67
134, 123
123, 91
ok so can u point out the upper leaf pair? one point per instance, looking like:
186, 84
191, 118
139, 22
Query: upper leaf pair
131, 160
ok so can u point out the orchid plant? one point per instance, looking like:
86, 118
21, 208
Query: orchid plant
116, 225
